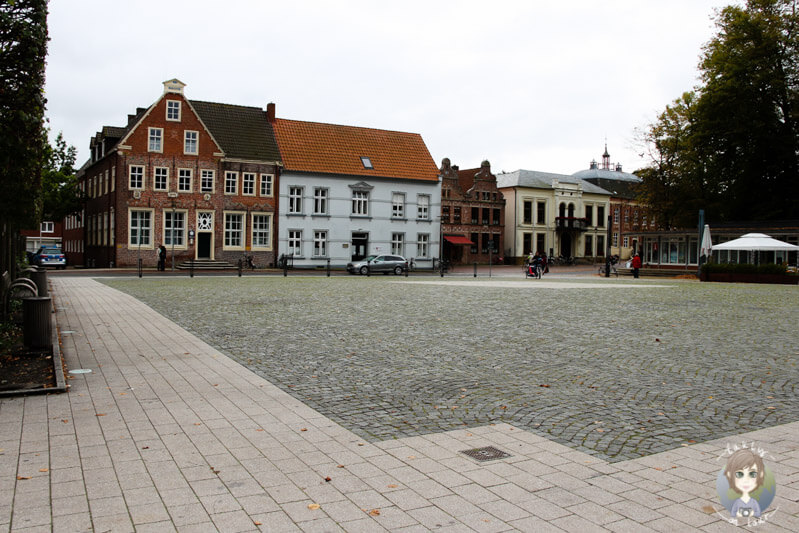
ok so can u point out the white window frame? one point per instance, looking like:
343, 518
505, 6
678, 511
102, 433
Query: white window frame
248, 182
423, 206
179, 232
423, 245
191, 139
398, 244
173, 107
258, 232
184, 175
398, 205
206, 174
319, 243
266, 187
47, 227
155, 140
147, 241
229, 233
295, 194
235, 181
360, 203
165, 172
321, 197
139, 173
294, 242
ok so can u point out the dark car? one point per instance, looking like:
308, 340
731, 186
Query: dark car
379, 263
50, 256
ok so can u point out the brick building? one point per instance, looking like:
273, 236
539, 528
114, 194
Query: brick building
197, 177
472, 214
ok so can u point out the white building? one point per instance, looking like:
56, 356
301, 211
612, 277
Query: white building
347, 192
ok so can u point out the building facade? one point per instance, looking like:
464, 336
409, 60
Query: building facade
472, 214
196, 177
348, 192
556, 214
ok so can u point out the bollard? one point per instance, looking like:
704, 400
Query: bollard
328, 268
475, 269
407, 268
239, 267
140, 268
191, 268
36, 326
39, 277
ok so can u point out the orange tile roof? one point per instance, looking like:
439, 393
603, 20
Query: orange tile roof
334, 149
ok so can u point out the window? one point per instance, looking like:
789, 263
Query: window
136, 177
367, 163
261, 231
589, 246
527, 217
486, 215
173, 110
600, 246
248, 184
445, 214
527, 243
156, 140
497, 217
475, 238
234, 230
616, 216
295, 242
207, 180
231, 182
205, 221
320, 244
423, 245
174, 228
160, 178
397, 243
360, 203
589, 216
456, 214
266, 184
398, 205
184, 179
140, 227
320, 201
625, 240
47, 227
423, 207
295, 200
475, 215
600, 217
190, 142
615, 239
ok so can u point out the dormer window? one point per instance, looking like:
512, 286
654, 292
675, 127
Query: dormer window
367, 163
173, 110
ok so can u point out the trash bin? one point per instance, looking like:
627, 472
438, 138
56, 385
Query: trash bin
36, 325
39, 277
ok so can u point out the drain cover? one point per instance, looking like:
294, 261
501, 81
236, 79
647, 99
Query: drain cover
488, 453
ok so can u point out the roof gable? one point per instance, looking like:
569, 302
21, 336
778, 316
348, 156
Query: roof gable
335, 149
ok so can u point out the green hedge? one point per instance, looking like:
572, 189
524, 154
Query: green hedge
743, 268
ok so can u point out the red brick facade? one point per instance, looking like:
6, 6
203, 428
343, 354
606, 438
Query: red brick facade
471, 208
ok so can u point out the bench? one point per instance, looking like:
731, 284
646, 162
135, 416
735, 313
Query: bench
18, 285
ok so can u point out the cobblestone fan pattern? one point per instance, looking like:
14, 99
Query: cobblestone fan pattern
618, 372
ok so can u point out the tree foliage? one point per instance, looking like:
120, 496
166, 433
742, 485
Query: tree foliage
61, 195
731, 145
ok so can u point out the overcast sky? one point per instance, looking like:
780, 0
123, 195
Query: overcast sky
525, 84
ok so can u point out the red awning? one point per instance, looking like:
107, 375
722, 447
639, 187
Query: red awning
457, 239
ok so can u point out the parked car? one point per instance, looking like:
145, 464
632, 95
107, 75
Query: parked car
379, 263
50, 256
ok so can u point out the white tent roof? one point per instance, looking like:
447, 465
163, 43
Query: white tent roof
756, 242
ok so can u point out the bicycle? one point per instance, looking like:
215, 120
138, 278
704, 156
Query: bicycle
613, 270
533, 270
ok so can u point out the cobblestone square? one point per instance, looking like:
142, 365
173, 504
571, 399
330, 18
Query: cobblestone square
618, 369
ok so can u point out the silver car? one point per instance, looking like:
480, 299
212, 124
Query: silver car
379, 263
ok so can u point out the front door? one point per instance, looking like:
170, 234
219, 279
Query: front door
360, 245
204, 245
566, 245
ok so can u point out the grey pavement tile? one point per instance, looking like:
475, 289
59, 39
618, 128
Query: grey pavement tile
186, 514
628, 526
503, 510
598, 514
543, 509
119, 522
484, 523
367, 525
69, 505
534, 525
340, 511
429, 488
455, 505
577, 524
81, 521
155, 527
286, 493
320, 525
233, 522
406, 499
113, 505
393, 518
636, 511
26, 517
432, 517
219, 503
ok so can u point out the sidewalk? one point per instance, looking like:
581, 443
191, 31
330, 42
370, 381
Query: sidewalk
168, 434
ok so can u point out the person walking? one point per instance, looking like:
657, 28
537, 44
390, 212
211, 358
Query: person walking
162, 258
636, 265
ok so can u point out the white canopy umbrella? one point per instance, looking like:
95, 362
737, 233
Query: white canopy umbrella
707, 244
756, 242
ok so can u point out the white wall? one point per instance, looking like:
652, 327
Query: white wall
340, 223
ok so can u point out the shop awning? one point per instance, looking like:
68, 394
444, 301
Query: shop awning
457, 239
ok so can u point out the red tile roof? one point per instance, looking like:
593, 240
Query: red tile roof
334, 149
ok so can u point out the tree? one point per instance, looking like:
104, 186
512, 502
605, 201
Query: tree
732, 148
23, 48
61, 195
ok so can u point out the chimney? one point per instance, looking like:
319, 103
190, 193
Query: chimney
270, 112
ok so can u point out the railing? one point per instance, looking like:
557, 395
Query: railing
579, 224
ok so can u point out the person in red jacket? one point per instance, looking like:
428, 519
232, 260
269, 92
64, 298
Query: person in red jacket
636, 265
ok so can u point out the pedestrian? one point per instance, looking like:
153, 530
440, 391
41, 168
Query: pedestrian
636, 265
162, 258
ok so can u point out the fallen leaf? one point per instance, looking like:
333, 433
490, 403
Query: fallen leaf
544, 385
375, 512
411, 457
198, 424
43, 470
770, 407
328, 479
100, 414
257, 523
259, 429
708, 509
64, 420
339, 466
392, 486
304, 429
23, 477
313, 506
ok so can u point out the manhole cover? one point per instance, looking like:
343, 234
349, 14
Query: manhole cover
81, 371
488, 453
